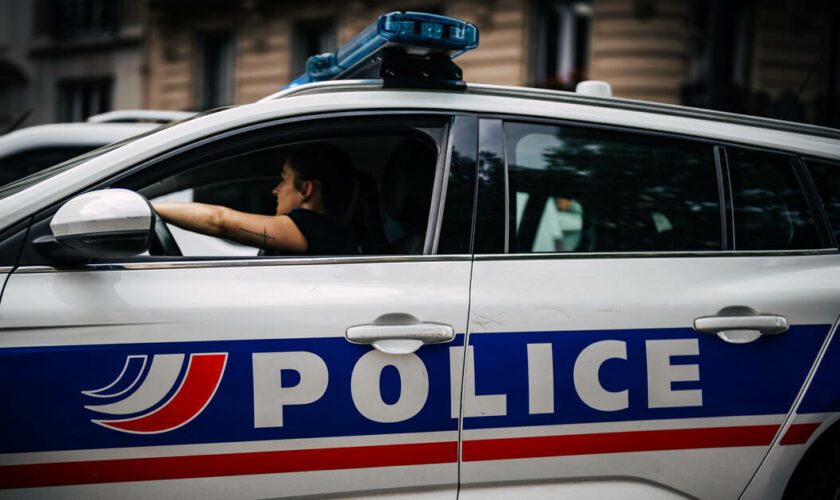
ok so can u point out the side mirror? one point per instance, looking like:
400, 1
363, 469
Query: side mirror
107, 224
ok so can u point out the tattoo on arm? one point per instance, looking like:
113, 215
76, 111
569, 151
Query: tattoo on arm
264, 234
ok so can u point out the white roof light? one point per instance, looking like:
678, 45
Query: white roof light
595, 88
139, 115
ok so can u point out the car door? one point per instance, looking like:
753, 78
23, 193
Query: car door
229, 377
637, 327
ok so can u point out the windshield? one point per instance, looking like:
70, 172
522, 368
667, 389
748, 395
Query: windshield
29, 181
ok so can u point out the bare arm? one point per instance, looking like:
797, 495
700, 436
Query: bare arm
276, 232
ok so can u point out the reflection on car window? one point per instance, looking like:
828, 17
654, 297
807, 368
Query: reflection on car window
771, 211
827, 179
577, 190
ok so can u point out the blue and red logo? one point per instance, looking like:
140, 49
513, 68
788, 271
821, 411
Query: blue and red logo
146, 401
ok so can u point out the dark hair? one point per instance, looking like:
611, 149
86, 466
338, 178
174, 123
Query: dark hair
331, 167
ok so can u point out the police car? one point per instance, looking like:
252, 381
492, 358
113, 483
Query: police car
559, 296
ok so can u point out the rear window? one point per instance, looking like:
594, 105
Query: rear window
770, 209
826, 177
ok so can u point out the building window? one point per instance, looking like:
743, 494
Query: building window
79, 99
561, 43
13, 102
311, 37
82, 18
216, 68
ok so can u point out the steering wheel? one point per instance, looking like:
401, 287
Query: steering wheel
163, 243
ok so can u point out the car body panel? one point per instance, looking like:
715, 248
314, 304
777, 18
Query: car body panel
817, 410
726, 405
265, 320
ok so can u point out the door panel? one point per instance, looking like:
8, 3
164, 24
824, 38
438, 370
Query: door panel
580, 370
228, 381
584, 371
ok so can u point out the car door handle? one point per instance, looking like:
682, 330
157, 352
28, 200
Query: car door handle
403, 338
740, 325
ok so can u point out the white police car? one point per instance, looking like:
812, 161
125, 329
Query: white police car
559, 296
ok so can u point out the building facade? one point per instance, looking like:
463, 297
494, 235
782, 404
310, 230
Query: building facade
70, 59
771, 58
16, 73
63, 60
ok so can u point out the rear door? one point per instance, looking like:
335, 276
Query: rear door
626, 319
220, 378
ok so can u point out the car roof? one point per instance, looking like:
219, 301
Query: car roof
584, 99
68, 135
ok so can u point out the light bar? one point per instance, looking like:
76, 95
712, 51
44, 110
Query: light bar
417, 33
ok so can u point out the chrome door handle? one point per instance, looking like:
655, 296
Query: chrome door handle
404, 337
740, 325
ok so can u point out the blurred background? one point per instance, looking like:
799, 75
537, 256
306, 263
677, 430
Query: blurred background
64, 60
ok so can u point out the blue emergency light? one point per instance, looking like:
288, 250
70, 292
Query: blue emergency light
403, 45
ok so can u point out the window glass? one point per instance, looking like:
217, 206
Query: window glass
579, 190
389, 186
216, 69
311, 37
74, 19
770, 208
79, 99
826, 177
490, 231
561, 39
456, 228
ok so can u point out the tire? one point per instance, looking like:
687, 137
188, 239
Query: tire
817, 476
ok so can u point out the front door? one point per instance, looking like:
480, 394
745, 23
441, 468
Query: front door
234, 377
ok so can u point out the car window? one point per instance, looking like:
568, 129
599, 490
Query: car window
580, 190
393, 174
826, 177
770, 210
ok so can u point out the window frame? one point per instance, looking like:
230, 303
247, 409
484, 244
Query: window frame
232, 139
724, 196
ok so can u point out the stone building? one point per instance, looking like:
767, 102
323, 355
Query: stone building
16, 74
67, 59
773, 58
64, 60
